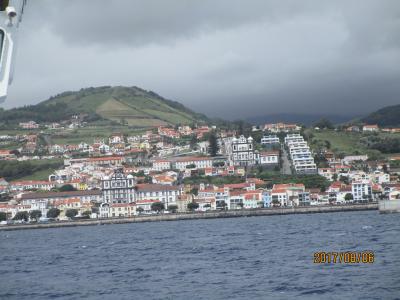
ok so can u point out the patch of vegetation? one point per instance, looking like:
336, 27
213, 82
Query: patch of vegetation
13, 170
309, 181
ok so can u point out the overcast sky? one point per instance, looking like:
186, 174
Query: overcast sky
227, 58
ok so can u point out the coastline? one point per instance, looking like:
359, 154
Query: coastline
198, 216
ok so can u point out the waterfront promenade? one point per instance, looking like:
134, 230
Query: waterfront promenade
199, 215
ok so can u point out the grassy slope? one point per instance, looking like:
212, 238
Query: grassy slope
346, 142
42, 174
137, 107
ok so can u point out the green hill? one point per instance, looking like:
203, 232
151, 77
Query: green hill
387, 116
128, 105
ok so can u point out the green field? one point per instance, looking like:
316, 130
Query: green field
42, 174
347, 143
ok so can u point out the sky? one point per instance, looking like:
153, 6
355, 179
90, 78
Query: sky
226, 58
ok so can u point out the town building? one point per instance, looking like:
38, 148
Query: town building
361, 190
118, 188
200, 162
241, 152
270, 140
269, 158
370, 128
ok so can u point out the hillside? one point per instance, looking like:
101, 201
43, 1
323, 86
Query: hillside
128, 105
305, 119
387, 116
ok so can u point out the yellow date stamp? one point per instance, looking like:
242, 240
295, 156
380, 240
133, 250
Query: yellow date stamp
364, 257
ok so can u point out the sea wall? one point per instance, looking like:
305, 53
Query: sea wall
200, 215
389, 206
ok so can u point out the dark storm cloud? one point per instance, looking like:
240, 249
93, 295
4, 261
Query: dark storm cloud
228, 58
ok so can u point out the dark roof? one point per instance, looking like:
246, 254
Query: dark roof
60, 194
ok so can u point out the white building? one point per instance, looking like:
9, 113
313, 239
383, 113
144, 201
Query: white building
361, 190
269, 158
300, 154
241, 152
270, 140
370, 128
198, 162
118, 188
158, 193
161, 165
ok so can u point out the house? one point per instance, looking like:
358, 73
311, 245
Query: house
281, 127
107, 161
29, 125
236, 200
252, 199
269, 158
120, 210
221, 195
200, 162
4, 186
163, 179
56, 149
353, 129
347, 160
158, 193
7, 154
288, 194
91, 196
270, 140
116, 138
24, 185
328, 173
145, 204
370, 128
161, 165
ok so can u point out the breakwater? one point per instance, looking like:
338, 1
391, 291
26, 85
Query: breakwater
199, 215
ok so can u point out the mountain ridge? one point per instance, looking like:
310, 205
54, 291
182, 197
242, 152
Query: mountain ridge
131, 106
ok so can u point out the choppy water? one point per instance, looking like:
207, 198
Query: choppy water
243, 258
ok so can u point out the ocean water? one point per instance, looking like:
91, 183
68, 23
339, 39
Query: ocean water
242, 258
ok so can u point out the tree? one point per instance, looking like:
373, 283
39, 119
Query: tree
53, 213
35, 214
22, 215
157, 206
194, 191
173, 208
192, 206
193, 142
140, 210
348, 197
223, 205
3, 216
67, 188
87, 213
213, 144
324, 124
71, 213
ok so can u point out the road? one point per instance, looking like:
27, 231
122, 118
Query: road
286, 169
